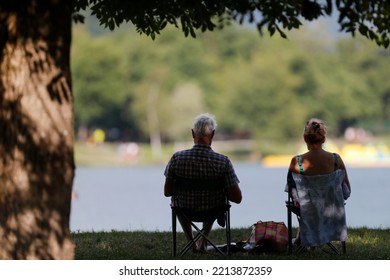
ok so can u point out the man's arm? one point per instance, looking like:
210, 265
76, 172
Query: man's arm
235, 194
168, 187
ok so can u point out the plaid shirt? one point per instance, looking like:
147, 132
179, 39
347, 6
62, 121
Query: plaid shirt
201, 162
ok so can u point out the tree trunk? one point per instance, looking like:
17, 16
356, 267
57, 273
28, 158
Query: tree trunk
36, 130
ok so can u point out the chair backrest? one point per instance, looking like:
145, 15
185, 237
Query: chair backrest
199, 195
322, 210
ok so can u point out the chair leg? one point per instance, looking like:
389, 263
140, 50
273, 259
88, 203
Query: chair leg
289, 227
174, 233
299, 249
344, 247
189, 245
334, 249
200, 233
228, 236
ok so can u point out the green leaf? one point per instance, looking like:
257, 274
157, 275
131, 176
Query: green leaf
328, 7
78, 18
372, 35
272, 30
163, 24
363, 30
111, 24
186, 31
192, 31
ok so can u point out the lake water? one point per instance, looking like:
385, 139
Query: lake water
131, 198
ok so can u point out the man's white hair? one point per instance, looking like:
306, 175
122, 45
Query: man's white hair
204, 124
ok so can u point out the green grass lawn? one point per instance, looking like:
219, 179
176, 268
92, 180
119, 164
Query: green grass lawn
362, 244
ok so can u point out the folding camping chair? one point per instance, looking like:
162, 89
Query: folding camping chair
321, 211
200, 200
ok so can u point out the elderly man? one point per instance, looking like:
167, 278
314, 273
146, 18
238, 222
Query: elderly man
202, 162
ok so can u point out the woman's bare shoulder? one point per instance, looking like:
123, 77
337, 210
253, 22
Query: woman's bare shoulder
293, 164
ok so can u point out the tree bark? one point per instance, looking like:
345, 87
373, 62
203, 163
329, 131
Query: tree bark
36, 130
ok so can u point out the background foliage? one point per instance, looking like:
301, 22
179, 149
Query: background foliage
259, 88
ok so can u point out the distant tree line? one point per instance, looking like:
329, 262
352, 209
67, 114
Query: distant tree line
138, 89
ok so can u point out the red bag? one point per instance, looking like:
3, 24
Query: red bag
272, 232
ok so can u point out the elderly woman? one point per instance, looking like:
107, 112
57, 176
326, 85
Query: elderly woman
316, 161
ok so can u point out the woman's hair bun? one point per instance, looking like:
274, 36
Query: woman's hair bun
315, 131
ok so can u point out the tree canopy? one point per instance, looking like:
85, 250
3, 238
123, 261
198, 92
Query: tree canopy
367, 17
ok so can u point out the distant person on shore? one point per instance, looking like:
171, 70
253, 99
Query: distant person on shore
202, 162
316, 161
